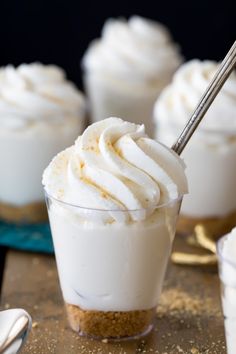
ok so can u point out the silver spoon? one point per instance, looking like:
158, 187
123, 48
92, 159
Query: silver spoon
208, 97
15, 325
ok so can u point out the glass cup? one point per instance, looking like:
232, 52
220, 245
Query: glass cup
111, 268
227, 273
210, 157
24, 154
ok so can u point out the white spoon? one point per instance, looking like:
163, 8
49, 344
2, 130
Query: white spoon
15, 325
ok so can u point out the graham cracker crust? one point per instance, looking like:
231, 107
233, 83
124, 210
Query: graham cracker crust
110, 324
30, 213
217, 226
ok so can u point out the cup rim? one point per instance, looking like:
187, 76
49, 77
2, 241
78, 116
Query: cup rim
113, 210
219, 248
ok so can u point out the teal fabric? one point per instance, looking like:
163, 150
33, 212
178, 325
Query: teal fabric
35, 237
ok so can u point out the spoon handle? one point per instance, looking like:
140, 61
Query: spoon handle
208, 97
17, 323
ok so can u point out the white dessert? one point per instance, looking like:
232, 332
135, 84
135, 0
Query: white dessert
127, 68
40, 114
210, 155
111, 232
227, 261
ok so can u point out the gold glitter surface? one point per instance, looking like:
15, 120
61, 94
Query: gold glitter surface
188, 319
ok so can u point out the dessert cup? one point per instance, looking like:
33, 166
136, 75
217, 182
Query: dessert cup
210, 158
111, 273
211, 172
210, 155
227, 273
113, 199
41, 113
24, 155
126, 69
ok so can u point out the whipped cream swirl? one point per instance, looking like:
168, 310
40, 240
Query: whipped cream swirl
34, 93
139, 48
114, 166
178, 100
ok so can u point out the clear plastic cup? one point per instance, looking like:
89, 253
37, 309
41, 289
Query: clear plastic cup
111, 269
210, 157
227, 273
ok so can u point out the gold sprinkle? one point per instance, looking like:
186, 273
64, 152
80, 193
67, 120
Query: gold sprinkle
104, 195
34, 324
119, 152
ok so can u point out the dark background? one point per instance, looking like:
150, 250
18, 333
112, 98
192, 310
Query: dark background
59, 31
